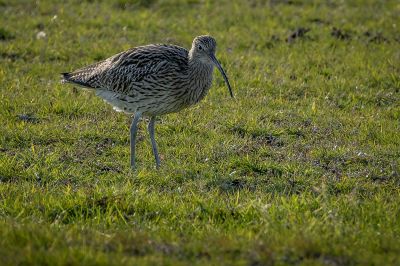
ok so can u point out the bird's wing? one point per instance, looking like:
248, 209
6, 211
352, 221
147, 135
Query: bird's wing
124, 71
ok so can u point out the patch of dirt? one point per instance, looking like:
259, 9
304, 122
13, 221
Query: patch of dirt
259, 137
103, 202
270, 43
134, 4
340, 34
318, 21
108, 168
11, 56
296, 34
5, 35
375, 37
286, 2
233, 185
104, 144
9, 179
29, 118
270, 140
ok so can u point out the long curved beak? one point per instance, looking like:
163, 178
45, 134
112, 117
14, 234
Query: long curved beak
218, 65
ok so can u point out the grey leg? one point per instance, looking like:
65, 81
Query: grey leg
153, 140
133, 137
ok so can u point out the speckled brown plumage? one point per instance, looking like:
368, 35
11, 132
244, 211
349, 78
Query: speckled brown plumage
152, 80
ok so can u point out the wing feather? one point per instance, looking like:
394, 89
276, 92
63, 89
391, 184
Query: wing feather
130, 69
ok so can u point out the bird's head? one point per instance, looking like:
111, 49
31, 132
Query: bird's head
203, 47
203, 50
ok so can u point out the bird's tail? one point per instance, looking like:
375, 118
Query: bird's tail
65, 77
77, 78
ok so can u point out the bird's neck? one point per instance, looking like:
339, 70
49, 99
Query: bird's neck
200, 79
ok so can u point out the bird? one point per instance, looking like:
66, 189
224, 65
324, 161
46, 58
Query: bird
152, 80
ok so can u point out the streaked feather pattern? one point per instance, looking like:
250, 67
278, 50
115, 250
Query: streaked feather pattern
153, 79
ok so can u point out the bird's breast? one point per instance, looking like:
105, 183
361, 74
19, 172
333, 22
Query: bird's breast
200, 83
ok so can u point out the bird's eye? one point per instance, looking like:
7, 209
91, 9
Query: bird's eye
200, 47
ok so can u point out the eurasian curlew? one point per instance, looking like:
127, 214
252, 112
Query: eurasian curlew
152, 80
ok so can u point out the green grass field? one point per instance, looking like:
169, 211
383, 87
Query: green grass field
302, 168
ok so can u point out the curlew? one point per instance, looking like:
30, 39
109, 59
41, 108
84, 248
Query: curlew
152, 80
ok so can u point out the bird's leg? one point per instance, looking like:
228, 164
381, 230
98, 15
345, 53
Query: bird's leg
134, 128
153, 140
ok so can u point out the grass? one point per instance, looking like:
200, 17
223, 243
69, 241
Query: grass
301, 169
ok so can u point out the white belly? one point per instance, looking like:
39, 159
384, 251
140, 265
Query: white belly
146, 105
